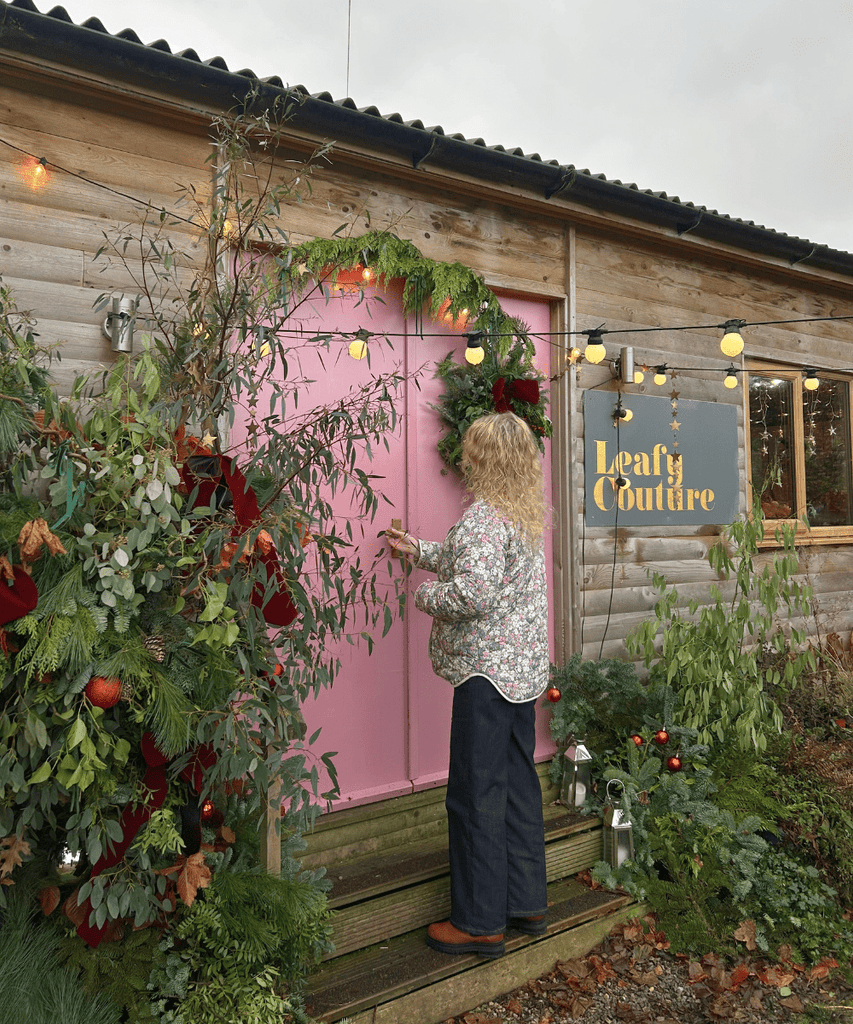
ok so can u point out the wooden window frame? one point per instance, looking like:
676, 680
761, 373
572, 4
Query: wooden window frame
815, 534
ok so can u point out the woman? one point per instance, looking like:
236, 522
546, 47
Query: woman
489, 639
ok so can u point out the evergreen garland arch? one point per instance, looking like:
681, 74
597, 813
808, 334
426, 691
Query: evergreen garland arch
506, 380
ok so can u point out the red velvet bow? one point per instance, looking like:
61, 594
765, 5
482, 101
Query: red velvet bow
520, 390
19, 598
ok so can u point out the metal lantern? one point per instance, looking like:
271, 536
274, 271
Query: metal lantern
618, 832
576, 776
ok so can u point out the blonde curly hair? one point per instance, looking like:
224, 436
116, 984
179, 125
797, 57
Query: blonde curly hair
502, 466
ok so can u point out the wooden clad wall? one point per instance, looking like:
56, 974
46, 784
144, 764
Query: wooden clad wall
49, 236
595, 268
629, 284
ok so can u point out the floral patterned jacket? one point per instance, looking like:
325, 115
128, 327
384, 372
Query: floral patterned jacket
489, 605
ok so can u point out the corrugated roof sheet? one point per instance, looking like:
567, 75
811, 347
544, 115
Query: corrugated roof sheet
583, 185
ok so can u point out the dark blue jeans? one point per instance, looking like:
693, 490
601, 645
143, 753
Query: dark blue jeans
494, 811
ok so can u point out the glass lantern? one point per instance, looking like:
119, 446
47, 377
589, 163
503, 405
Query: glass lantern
618, 831
577, 775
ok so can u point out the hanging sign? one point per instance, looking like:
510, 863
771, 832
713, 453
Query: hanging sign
670, 462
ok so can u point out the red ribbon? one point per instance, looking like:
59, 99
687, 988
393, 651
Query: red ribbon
279, 610
520, 390
133, 818
19, 598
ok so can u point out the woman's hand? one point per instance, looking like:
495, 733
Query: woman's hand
402, 543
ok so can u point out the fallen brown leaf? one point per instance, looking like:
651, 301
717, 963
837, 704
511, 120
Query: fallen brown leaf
792, 1002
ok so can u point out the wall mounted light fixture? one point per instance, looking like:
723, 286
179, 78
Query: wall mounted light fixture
118, 325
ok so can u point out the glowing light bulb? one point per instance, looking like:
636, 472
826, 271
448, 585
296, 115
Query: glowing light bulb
34, 172
627, 415
574, 356
358, 348
732, 343
660, 376
639, 376
731, 378
811, 383
367, 274
474, 351
595, 350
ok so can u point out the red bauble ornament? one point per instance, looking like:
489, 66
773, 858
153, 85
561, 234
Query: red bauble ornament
553, 694
662, 737
210, 814
104, 692
638, 740
674, 764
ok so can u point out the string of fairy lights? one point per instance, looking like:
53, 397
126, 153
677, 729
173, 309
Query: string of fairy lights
36, 173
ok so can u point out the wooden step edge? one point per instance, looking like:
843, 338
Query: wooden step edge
391, 907
350, 890
346, 816
451, 985
492, 979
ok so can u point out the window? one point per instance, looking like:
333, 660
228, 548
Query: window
800, 448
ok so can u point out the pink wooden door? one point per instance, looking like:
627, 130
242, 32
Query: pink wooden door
387, 714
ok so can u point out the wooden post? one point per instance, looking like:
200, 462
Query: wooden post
271, 823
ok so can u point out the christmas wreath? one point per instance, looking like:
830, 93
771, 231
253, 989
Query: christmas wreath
502, 382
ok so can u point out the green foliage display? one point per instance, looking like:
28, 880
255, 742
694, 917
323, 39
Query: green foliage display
713, 655
34, 984
230, 951
428, 284
468, 389
150, 586
708, 839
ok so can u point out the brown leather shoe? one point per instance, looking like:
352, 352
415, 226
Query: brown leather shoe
446, 938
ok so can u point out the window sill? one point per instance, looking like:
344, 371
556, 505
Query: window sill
804, 536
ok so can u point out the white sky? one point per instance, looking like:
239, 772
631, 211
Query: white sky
744, 106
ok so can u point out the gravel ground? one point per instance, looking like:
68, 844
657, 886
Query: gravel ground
631, 977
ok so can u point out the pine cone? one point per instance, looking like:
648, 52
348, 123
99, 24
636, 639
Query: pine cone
156, 646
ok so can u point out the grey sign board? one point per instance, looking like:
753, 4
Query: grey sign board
674, 462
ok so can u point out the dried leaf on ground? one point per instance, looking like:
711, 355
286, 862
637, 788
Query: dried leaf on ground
792, 1002
573, 968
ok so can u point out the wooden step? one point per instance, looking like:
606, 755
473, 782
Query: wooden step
400, 980
404, 822
391, 896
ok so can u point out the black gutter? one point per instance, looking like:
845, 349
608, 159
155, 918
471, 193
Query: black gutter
210, 85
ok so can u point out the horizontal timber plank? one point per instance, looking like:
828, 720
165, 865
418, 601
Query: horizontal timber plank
357, 879
647, 549
771, 342
755, 297
388, 825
